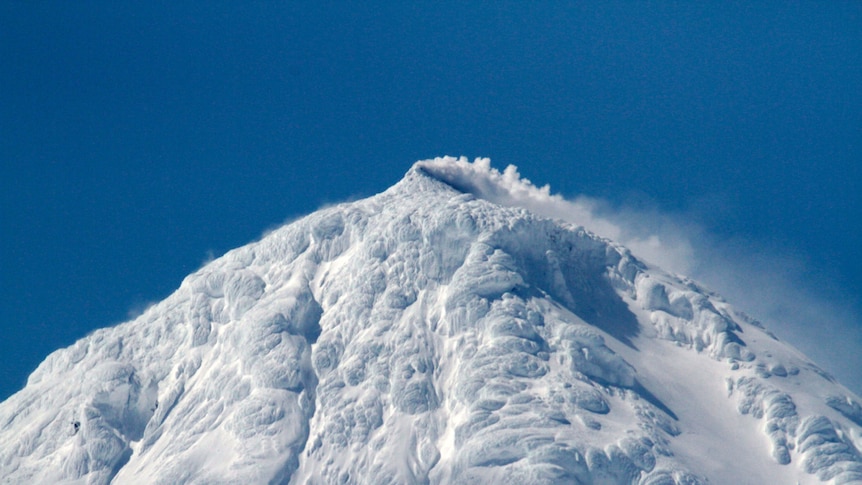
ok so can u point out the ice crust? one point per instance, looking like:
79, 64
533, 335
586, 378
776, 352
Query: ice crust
440, 332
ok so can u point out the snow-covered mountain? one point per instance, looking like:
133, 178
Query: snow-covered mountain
443, 331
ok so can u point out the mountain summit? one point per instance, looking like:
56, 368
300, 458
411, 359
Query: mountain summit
444, 331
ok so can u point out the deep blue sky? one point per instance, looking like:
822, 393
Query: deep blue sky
137, 139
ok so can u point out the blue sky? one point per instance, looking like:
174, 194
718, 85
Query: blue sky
139, 139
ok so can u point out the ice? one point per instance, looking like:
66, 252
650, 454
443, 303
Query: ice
825, 453
847, 406
443, 331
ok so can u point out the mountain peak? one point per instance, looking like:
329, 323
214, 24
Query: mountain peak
506, 188
452, 329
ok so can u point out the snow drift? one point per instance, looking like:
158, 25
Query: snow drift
449, 330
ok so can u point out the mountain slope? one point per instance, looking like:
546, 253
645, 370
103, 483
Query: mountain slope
434, 333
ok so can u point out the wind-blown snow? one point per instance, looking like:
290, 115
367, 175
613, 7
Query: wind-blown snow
508, 188
444, 331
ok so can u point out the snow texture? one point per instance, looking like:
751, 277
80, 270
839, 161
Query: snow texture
448, 330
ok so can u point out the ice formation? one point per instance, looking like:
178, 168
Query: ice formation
447, 330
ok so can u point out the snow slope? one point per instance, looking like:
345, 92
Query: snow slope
443, 331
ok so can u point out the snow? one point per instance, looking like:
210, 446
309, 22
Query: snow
452, 329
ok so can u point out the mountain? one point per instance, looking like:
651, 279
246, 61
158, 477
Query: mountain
443, 331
